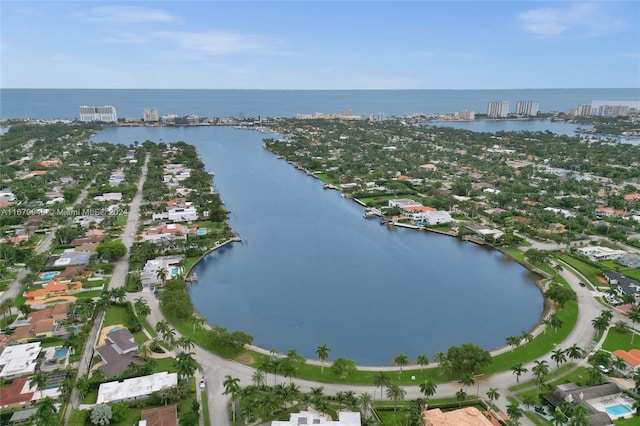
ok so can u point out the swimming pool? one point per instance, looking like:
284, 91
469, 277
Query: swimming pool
201, 231
618, 410
49, 275
60, 353
174, 271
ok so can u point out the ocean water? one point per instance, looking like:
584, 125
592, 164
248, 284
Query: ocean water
64, 103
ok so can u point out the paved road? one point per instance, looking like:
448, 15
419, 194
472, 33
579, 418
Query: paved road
117, 280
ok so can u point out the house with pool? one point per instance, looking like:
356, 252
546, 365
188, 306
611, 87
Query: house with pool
605, 402
151, 274
53, 289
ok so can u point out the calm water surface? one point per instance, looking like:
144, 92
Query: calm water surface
312, 271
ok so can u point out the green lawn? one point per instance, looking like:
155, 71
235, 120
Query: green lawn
88, 294
542, 344
615, 341
116, 315
205, 407
586, 269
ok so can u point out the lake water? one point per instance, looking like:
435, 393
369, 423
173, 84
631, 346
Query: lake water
312, 271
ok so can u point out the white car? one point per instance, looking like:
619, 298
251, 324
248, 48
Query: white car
202, 385
604, 369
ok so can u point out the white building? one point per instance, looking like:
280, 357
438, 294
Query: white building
466, 115
345, 418
601, 253
529, 108
178, 214
498, 109
98, 113
136, 387
432, 217
150, 115
109, 196
168, 264
404, 202
18, 360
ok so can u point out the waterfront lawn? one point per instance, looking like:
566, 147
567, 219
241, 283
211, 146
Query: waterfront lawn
326, 179
514, 252
587, 269
616, 340
540, 345
564, 369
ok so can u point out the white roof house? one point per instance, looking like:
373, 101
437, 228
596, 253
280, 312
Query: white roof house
601, 253
345, 418
109, 196
432, 217
136, 387
18, 360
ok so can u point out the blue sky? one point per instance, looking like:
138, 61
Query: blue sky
319, 45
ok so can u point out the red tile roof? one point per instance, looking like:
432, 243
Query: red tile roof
11, 394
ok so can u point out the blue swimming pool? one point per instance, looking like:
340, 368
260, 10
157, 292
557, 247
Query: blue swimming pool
49, 275
174, 271
618, 410
201, 231
60, 353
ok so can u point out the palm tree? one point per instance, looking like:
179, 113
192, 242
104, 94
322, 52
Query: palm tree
519, 369
396, 393
141, 307
574, 351
467, 380
554, 321
558, 355
513, 341
381, 380
600, 324
422, 360
231, 387
401, 361
258, 378
164, 329
364, 403
143, 351
82, 384
322, 352
185, 343
540, 371
514, 412
526, 336
46, 414
197, 321
428, 388
186, 366
5, 307
461, 395
39, 380
493, 394
162, 275
340, 398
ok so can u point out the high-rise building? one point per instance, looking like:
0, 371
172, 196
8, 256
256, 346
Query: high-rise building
584, 110
466, 115
98, 113
150, 114
498, 109
529, 108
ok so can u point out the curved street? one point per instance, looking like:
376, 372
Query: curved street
216, 368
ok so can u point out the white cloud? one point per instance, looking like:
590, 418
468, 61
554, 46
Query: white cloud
215, 42
126, 38
126, 15
576, 19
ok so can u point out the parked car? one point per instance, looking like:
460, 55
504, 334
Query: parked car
581, 284
603, 369
202, 385
540, 410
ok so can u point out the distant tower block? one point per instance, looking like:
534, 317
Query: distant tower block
150, 115
105, 114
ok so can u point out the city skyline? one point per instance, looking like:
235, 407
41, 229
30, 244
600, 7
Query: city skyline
320, 45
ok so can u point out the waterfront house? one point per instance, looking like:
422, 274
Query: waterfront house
345, 418
600, 253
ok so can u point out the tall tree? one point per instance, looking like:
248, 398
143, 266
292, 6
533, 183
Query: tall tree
381, 381
519, 369
461, 395
395, 393
422, 360
39, 380
322, 352
186, 366
401, 361
232, 387
46, 414
428, 388
559, 356
364, 403
515, 413
493, 394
